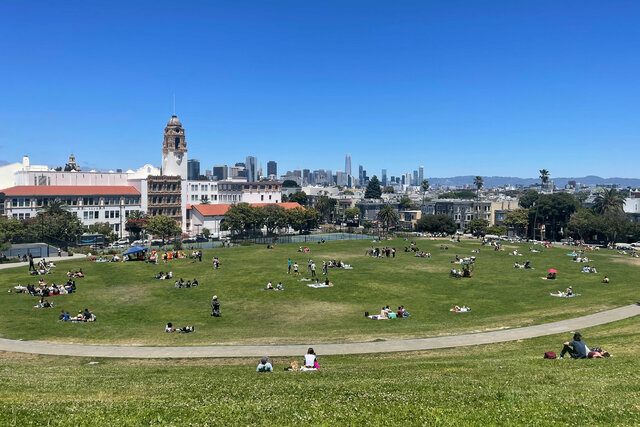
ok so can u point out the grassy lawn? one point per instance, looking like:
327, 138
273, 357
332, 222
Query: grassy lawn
502, 384
132, 307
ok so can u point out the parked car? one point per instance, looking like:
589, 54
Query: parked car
636, 245
123, 242
189, 240
201, 239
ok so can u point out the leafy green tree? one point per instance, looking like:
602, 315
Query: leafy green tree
205, 200
388, 189
529, 198
458, 195
243, 218
55, 224
274, 217
162, 226
478, 181
105, 229
388, 216
609, 202
583, 223
302, 220
405, 203
478, 226
555, 210
614, 226
544, 176
519, 220
347, 193
325, 205
285, 198
136, 223
352, 215
289, 183
424, 186
373, 190
299, 197
440, 223
498, 230
206, 232
14, 230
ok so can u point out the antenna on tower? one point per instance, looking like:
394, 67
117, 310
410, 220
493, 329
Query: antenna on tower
174, 103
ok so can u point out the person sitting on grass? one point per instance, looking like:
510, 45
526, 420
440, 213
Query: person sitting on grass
188, 285
383, 313
577, 349
264, 365
569, 291
169, 327
310, 359
327, 282
551, 276
195, 282
61, 316
605, 280
269, 287
279, 287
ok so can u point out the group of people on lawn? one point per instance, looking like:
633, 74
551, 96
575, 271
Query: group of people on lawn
310, 363
188, 284
86, 316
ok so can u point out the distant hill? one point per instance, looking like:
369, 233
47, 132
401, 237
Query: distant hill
498, 181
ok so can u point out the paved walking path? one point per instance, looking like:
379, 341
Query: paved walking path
324, 349
53, 258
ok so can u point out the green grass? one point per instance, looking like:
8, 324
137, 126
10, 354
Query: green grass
502, 384
132, 307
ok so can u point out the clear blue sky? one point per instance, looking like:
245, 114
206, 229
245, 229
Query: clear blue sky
461, 87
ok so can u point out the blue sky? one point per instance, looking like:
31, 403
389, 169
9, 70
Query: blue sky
461, 87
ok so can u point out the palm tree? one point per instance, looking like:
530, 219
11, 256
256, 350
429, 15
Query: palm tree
55, 207
425, 187
610, 201
478, 182
388, 216
544, 176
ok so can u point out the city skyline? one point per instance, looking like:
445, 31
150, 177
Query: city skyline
464, 89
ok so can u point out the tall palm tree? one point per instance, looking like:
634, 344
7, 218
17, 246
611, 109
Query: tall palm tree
425, 187
388, 216
478, 182
544, 176
55, 207
610, 201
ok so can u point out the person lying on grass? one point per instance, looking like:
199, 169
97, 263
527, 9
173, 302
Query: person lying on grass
264, 365
458, 309
44, 304
186, 329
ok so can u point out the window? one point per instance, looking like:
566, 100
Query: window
262, 198
86, 215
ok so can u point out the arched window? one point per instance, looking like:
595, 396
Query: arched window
177, 142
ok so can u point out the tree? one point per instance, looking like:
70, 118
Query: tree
478, 226
458, 195
498, 230
136, 223
289, 183
55, 207
440, 223
14, 230
299, 197
105, 229
162, 226
302, 220
206, 232
555, 209
348, 193
424, 186
352, 215
529, 198
478, 182
388, 189
583, 223
544, 176
388, 216
54, 223
609, 201
613, 226
325, 205
205, 200
373, 190
519, 220
274, 217
405, 203
243, 218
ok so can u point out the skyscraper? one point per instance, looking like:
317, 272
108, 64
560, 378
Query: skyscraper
360, 175
384, 178
252, 168
347, 164
193, 169
220, 172
272, 168
420, 175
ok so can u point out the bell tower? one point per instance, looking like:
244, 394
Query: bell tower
174, 149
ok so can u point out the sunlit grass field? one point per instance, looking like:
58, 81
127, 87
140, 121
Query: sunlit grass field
501, 384
132, 307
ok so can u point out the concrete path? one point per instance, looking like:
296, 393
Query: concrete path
55, 258
323, 349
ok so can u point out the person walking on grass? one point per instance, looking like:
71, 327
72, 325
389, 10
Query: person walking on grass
295, 269
289, 266
313, 269
215, 306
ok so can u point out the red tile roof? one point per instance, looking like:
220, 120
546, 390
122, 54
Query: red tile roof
70, 190
221, 209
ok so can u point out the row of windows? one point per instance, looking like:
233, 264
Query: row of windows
165, 211
164, 186
22, 216
164, 199
86, 201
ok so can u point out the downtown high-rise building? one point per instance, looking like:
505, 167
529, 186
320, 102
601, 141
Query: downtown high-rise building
251, 165
347, 164
383, 181
420, 175
360, 175
220, 172
272, 168
193, 169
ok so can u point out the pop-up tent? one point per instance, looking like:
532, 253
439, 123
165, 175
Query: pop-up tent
136, 252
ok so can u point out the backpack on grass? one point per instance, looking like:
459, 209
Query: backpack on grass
549, 355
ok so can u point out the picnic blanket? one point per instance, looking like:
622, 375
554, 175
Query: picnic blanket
377, 317
564, 295
319, 285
